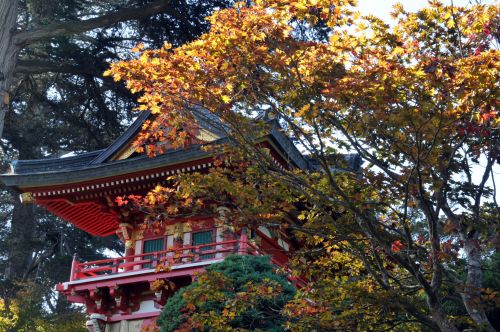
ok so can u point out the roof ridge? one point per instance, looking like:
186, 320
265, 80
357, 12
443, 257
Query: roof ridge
123, 139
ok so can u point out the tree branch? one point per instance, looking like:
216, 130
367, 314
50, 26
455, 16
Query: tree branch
78, 26
38, 67
477, 199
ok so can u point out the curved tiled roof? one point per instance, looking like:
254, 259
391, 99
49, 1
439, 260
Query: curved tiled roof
97, 164
50, 165
54, 164
73, 187
65, 174
125, 138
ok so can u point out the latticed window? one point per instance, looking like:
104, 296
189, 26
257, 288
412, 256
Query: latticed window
205, 237
152, 246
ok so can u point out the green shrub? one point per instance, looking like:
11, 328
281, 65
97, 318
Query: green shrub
242, 292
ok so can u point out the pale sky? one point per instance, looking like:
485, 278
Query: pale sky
382, 8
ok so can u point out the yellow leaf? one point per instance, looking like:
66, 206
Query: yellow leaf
155, 109
304, 110
138, 47
398, 51
420, 73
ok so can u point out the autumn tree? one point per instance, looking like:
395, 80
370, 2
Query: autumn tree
25, 313
386, 244
59, 102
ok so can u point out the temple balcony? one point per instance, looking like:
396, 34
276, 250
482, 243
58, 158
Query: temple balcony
173, 259
118, 287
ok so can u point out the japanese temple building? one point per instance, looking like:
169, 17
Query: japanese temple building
117, 292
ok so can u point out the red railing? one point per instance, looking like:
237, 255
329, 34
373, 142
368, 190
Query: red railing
175, 257
169, 257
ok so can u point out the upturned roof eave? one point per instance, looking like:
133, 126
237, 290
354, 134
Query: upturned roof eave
99, 171
101, 167
123, 140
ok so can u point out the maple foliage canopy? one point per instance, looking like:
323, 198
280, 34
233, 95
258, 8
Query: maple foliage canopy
395, 243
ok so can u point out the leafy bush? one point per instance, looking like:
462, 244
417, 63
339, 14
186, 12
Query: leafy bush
242, 292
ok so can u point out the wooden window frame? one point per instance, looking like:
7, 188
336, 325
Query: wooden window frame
144, 244
164, 237
213, 230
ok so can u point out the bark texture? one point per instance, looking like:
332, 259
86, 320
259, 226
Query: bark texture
74, 27
472, 289
22, 233
8, 53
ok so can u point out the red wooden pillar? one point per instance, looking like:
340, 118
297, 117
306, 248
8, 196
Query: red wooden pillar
74, 268
124, 233
128, 259
243, 243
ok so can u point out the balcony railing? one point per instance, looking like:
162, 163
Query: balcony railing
175, 257
151, 260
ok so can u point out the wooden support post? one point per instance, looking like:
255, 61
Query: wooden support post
114, 268
243, 244
74, 268
155, 260
130, 251
196, 257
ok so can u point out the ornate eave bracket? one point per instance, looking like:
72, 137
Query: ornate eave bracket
26, 198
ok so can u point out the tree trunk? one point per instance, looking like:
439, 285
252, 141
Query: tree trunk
23, 224
472, 288
441, 320
438, 316
8, 53
20, 241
